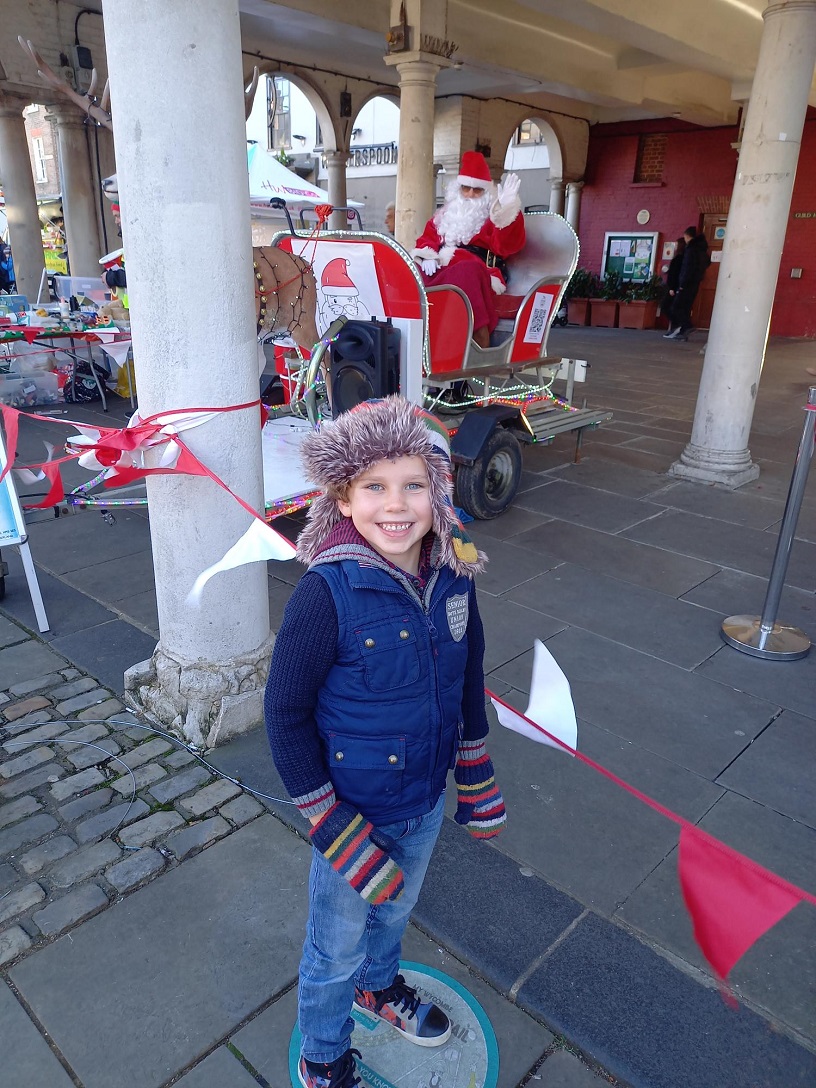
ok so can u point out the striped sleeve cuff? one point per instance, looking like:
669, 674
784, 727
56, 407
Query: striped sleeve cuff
317, 802
471, 751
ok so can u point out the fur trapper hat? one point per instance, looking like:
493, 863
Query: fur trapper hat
380, 430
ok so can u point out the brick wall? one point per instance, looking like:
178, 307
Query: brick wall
698, 168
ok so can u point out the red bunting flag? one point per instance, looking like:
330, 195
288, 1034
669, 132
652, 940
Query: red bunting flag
732, 900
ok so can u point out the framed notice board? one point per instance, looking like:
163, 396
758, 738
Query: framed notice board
630, 253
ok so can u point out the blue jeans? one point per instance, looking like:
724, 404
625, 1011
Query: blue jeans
350, 943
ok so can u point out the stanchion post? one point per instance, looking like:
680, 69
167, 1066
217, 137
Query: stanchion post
761, 636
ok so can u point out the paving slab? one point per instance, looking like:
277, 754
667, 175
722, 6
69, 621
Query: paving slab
777, 769
237, 912
27, 1058
115, 579
734, 593
577, 829
682, 716
513, 521
512, 628
650, 1024
565, 1070
507, 917
68, 609
791, 684
10, 633
710, 501
587, 506
618, 557
27, 660
655, 623
142, 610
264, 1042
510, 566
635, 483
106, 651
73, 543
727, 545
221, 1069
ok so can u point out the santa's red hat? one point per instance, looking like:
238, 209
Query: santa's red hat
335, 279
475, 171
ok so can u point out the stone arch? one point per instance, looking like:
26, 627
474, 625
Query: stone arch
551, 139
329, 122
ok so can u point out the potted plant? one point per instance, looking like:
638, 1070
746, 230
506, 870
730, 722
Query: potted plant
578, 293
604, 308
638, 310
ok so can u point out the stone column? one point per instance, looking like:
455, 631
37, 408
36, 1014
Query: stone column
336, 174
718, 451
557, 195
205, 679
21, 198
573, 213
415, 178
80, 190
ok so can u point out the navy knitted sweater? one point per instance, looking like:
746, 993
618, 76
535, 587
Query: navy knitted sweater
305, 651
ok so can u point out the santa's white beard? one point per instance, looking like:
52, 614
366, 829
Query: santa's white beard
460, 218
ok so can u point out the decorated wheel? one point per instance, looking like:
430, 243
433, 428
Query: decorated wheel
487, 488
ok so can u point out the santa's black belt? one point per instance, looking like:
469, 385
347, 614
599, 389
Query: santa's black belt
492, 260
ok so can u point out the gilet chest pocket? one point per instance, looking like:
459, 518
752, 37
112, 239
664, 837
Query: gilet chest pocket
390, 655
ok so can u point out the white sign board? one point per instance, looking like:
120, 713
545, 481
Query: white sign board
12, 522
13, 531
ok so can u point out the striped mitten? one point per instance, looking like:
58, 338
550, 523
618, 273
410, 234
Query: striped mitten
359, 853
481, 806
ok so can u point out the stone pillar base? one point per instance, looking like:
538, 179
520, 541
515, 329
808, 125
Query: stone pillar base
729, 468
203, 703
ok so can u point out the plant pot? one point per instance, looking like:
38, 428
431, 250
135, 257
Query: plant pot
604, 313
578, 311
638, 314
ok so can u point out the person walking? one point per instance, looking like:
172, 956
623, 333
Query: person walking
672, 285
375, 691
696, 260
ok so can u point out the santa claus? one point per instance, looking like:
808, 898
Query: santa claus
470, 237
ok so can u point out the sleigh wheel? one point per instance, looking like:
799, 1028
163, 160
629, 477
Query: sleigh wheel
487, 488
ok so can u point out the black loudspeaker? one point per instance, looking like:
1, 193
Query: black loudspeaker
364, 364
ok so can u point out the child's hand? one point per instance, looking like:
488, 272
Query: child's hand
481, 806
359, 853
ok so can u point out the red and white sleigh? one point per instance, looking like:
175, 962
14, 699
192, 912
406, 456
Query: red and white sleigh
493, 400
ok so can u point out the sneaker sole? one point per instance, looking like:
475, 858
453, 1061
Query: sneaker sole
440, 1040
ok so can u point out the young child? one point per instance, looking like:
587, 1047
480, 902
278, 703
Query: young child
375, 692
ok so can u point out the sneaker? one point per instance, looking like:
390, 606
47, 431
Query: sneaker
337, 1074
672, 334
420, 1022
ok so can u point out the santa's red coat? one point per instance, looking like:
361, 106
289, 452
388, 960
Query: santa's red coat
503, 241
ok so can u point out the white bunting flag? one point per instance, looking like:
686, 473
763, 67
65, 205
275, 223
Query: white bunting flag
550, 705
260, 542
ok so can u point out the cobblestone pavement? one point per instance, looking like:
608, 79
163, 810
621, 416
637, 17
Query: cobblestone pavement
92, 805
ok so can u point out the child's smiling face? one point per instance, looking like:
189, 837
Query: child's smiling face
390, 505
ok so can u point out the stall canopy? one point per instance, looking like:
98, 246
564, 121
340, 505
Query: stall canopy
269, 178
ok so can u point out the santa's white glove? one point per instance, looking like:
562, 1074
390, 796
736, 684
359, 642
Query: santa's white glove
508, 190
507, 204
429, 267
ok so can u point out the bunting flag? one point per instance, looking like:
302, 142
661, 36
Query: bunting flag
731, 899
120, 454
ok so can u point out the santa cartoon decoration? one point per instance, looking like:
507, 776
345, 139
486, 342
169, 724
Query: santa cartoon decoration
340, 296
470, 237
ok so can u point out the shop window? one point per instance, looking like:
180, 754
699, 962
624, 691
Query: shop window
40, 172
528, 132
278, 113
